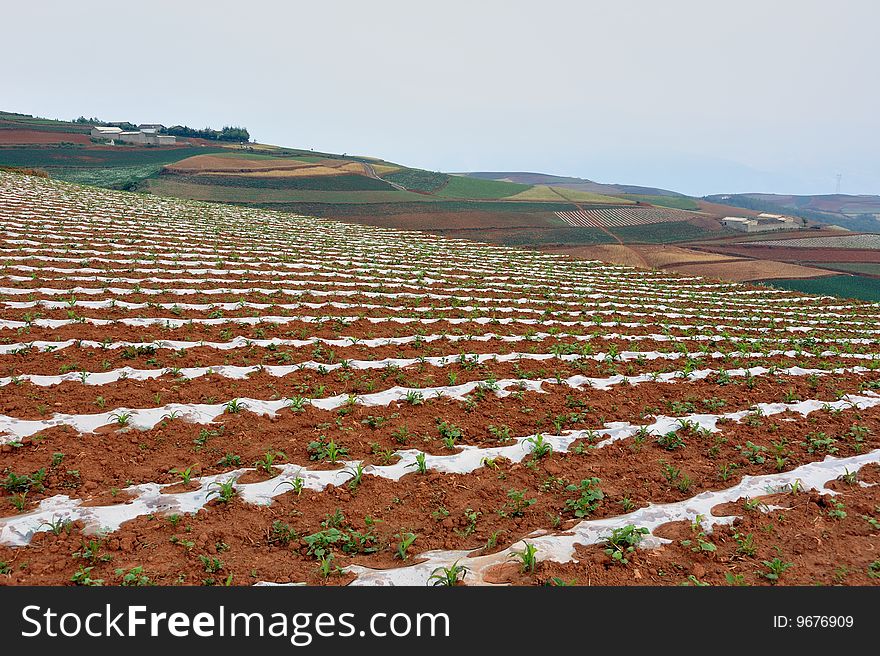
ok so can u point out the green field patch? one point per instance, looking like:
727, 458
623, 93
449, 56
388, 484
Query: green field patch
345, 182
168, 186
417, 179
80, 157
661, 233
116, 177
545, 192
861, 287
562, 235
475, 188
675, 202
867, 268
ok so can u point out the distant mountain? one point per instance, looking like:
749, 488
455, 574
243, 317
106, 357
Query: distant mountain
860, 213
577, 184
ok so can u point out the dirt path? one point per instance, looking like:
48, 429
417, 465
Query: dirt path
371, 173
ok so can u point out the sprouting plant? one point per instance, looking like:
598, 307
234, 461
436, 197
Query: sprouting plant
321, 449
670, 441
58, 526
517, 503
699, 544
775, 569
753, 453
500, 433
297, 484
297, 404
540, 447
122, 418
725, 470
627, 504
590, 497
420, 464
745, 544
471, 516
735, 579
401, 435
134, 577
357, 474
234, 406
83, 577
230, 460
526, 558
448, 576
185, 474
405, 541
414, 397
268, 460
623, 541
281, 533
224, 491
211, 564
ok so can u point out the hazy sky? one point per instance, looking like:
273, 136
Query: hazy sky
693, 95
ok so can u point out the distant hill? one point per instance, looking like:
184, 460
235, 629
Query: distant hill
577, 184
860, 213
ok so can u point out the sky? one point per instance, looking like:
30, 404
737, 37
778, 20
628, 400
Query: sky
696, 96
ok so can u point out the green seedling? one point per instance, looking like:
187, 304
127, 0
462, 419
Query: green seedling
526, 558
448, 576
517, 504
540, 447
775, 569
420, 464
185, 474
224, 491
590, 497
405, 541
134, 577
623, 541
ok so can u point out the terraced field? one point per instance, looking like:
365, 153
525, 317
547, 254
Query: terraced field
205, 394
617, 217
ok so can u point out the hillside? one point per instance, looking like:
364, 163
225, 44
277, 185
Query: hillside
527, 210
859, 213
198, 394
615, 222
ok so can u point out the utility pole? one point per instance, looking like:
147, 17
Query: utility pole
838, 176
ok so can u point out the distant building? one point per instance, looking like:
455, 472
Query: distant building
154, 127
132, 137
147, 135
105, 132
761, 223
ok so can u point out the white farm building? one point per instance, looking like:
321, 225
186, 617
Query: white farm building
761, 223
147, 136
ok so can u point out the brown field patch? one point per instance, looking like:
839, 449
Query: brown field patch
654, 255
742, 270
785, 254
222, 164
20, 137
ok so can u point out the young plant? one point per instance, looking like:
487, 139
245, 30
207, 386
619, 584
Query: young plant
526, 558
448, 576
775, 569
623, 541
405, 541
224, 491
420, 464
134, 577
590, 497
540, 447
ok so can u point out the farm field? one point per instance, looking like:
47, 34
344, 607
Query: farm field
851, 286
203, 394
689, 261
